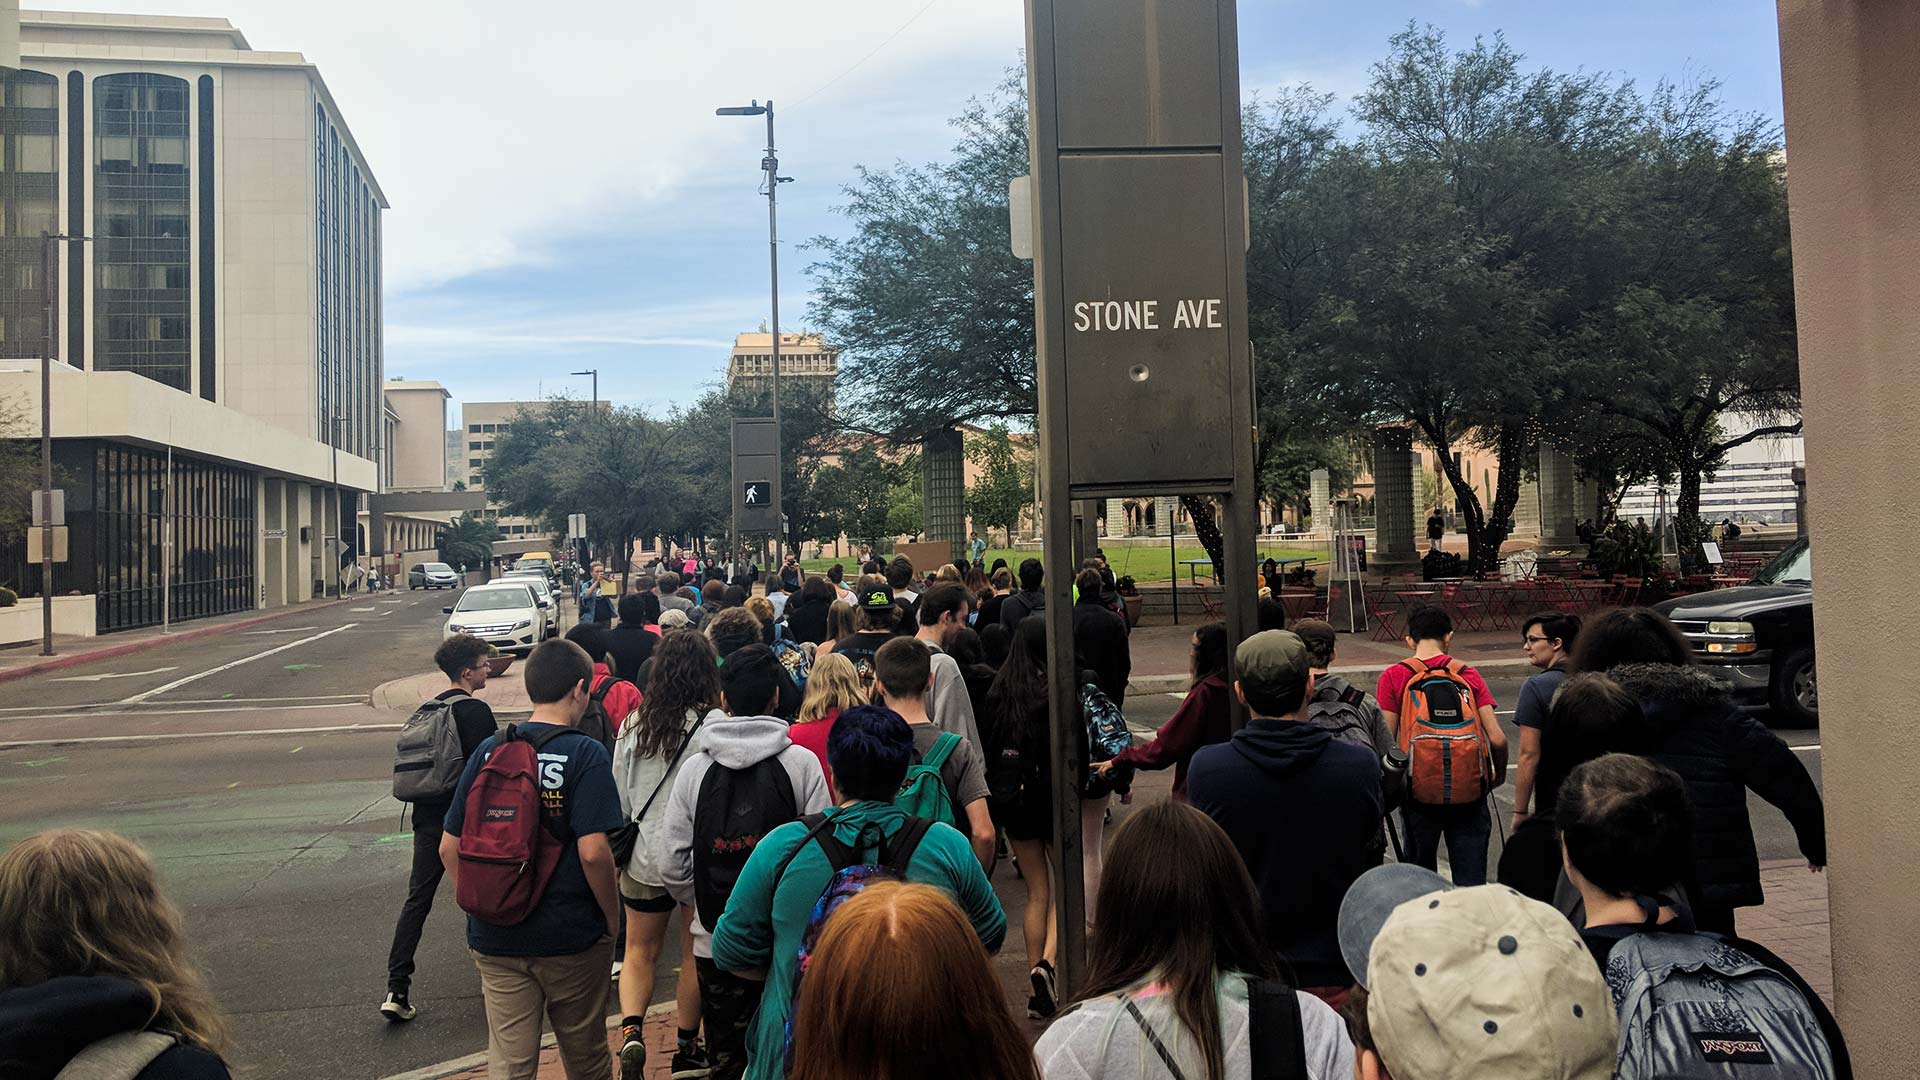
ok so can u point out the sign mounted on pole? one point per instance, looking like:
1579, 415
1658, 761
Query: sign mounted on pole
756, 458
49, 508
1139, 238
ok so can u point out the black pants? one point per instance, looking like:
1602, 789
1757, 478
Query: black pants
422, 883
727, 1005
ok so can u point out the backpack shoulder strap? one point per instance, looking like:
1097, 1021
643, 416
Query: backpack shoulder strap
1279, 1046
1353, 696
599, 697
1414, 665
118, 1057
904, 844
457, 698
816, 829
943, 748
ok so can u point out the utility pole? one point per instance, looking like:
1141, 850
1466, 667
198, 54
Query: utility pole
49, 329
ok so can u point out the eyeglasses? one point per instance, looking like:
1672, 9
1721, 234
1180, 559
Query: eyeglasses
1530, 639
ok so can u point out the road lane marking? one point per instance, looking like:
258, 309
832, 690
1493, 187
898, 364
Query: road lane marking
360, 609
57, 715
79, 707
288, 630
117, 675
389, 611
18, 744
177, 683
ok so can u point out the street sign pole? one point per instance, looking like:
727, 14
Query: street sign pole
1139, 236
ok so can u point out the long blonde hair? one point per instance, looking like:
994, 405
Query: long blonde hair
833, 684
87, 902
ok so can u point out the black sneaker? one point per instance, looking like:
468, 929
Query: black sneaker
1044, 1002
633, 1054
690, 1062
397, 1009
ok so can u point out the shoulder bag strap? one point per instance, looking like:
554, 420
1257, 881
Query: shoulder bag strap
905, 843
1274, 1035
118, 1057
1153, 1040
672, 763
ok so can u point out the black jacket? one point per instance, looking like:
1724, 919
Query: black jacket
1100, 644
1019, 605
627, 648
807, 619
1721, 752
1303, 809
44, 1025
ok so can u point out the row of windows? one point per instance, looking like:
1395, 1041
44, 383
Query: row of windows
487, 429
348, 280
141, 226
487, 445
29, 206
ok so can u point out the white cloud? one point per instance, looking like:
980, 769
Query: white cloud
501, 130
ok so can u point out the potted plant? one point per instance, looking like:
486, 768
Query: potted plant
1130, 594
497, 662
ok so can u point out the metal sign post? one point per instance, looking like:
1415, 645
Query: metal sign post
1139, 237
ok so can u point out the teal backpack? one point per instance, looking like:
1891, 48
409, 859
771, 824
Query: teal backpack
923, 794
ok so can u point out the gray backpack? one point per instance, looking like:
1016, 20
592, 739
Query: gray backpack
1701, 1005
1345, 716
118, 1057
427, 762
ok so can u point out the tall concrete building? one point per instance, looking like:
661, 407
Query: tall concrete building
227, 307
415, 446
481, 423
804, 359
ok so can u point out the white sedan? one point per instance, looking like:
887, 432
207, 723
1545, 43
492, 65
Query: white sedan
542, 590
504, 614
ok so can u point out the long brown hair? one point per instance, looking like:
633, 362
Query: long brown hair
841, 620
899, 987
685, 675
86, 902
1176, 906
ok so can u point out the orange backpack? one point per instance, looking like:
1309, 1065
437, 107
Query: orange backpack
1448, 761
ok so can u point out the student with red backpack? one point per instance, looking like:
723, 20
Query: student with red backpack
795, 868
746, 781
526, 846
611, 700
1442, 716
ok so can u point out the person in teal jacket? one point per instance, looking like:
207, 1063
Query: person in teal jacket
869, 751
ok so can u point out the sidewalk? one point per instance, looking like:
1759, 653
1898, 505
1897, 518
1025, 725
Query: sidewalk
20, 660
1160, 655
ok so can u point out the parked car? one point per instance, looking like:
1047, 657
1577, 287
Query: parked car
543, 590
432, 575
536, 560
504, 614
1759, 636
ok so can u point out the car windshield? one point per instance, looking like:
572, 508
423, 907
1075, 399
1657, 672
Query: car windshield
1793, 566
493, 600
437, 567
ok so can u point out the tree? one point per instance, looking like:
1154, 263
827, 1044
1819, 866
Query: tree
857, 494
1004, 489
906, 504
19, 469
468, 540
459, 485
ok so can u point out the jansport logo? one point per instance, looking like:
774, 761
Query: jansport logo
500, 813
1737, 1047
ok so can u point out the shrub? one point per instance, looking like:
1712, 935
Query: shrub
8, 597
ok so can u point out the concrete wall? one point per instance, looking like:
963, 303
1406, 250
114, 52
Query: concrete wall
1853, 144
9, 34
73, 616
420, 439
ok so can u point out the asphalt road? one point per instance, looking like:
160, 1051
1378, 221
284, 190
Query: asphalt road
254, 768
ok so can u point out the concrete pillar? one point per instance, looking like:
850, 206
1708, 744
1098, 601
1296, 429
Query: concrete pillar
1164, 511
1116, 518
943, 487
1559, 499
1799, 501
1320, 499
1853, 137
1526, 510
1393, 493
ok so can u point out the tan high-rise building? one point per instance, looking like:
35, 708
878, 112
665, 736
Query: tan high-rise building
416, 438
805, 358
481, 422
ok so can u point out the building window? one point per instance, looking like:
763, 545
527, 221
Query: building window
473, 446
142, 243
474, 463
214, 528
473, 429
29, 206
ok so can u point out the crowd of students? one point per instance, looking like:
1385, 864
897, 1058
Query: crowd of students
819, 798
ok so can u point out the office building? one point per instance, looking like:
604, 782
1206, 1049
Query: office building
481, 423
226, 307
806, 362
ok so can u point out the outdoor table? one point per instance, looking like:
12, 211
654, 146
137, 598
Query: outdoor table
1193, 570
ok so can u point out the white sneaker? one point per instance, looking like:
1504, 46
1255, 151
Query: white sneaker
397, 1009
616, 968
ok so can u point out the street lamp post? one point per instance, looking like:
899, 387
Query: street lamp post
771, 164
48, 330
595, 372
332, 561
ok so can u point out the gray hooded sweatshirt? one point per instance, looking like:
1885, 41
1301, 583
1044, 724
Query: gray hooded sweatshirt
735, 742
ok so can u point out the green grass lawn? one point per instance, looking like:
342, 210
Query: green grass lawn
1143, 564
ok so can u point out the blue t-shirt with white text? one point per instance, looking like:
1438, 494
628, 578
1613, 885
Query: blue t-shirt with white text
576, 787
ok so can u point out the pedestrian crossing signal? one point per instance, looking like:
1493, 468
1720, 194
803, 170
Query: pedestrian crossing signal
757, 493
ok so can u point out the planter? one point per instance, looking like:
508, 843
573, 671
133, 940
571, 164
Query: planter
498, 665
1135, 606
75, 616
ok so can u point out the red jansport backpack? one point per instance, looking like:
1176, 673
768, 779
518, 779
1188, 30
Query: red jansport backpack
1448, 762
507, 855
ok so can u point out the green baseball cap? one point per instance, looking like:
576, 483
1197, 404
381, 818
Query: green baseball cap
1272, 661
877, 598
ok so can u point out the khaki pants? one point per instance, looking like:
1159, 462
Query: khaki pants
570, 990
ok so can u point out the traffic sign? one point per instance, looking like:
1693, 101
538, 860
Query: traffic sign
49, 507
576, 526
36, 544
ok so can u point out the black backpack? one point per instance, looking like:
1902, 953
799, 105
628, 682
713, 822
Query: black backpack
735, 810
595, 723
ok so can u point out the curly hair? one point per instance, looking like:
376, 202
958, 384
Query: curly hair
685, 675
732, 630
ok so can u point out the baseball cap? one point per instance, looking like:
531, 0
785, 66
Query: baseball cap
1272, 661
1471, 982
876, 597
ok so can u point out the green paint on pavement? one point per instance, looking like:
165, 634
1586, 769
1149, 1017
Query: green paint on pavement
301, 667
38, 762
396, 837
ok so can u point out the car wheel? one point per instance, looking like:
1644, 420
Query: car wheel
1796, 699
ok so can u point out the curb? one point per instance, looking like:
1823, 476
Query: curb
1174, 684
474, 1061
76, 659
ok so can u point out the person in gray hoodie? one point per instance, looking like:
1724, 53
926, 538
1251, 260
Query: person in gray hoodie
748, 734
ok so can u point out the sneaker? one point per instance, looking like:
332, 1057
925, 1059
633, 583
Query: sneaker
689, 1062
617, 965
1045, 1000
633, 1054
397, 1009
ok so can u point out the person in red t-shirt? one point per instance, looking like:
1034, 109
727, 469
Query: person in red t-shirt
623, 697
832, 686
1468, 828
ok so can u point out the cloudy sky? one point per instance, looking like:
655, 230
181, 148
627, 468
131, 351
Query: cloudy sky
564, 198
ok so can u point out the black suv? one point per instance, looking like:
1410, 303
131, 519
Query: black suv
1759, 637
